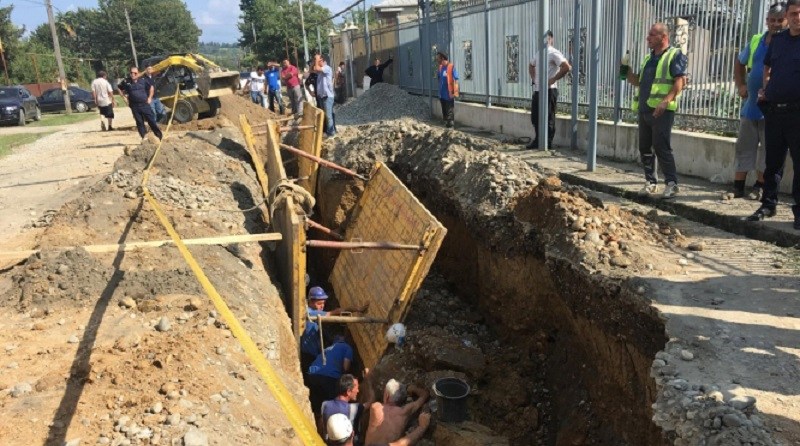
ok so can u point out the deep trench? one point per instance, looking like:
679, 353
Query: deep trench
581, 343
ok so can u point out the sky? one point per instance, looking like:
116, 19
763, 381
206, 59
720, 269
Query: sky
217, 18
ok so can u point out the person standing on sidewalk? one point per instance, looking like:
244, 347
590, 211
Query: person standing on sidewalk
750, 145
291, 77
448, 88
103, 96
660, 81
138, 92
557, 67
325, 95
780, 100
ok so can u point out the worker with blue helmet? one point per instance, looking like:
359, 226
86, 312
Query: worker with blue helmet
310, 345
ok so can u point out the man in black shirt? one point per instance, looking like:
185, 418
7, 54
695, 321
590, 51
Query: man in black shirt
138, 92
375, 72
780, 101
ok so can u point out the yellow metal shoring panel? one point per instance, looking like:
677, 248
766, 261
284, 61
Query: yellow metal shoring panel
388, 280
303, 426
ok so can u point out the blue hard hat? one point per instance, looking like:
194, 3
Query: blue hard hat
317, 293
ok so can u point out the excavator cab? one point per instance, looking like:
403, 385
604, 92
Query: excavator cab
200, 83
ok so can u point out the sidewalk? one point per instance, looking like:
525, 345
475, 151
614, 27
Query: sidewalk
699, 200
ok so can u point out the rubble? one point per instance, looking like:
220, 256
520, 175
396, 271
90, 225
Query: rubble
382, 102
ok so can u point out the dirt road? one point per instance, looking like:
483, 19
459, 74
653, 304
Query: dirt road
43, 175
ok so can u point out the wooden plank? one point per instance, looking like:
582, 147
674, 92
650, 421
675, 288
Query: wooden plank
263, 178
132, 246
310, 141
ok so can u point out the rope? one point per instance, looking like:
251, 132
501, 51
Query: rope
302, 425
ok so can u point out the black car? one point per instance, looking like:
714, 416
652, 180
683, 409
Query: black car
17, 105
53, 100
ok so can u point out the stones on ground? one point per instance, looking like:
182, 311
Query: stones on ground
127, 302
156, 408
593, 237
131, 194
620, 261
163, 324
683, 262
195, 437
742, 402
687, 355
21, 389
173, 419
62, 269
194, 304
73, 442
696, 246
73, 339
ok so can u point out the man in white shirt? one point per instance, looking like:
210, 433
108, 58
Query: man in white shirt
557, 67
257, 83
103, 96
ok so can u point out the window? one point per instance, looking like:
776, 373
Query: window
52, 95
467, 45
512, 59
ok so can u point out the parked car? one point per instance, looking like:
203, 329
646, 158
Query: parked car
17, 105
53, 100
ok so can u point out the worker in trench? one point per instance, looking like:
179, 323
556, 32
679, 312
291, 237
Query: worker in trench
324, 373
341, 433
310, 344
388, 419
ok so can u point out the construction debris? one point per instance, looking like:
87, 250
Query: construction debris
382, 102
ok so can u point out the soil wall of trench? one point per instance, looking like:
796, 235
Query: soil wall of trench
545, 293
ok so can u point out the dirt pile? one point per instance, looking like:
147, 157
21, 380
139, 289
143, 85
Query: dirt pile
382, 102
124, 348
552, 270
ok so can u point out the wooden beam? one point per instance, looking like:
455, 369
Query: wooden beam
132, 246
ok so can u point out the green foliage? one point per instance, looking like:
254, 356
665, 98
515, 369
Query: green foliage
10, 36
227, 55
278, 31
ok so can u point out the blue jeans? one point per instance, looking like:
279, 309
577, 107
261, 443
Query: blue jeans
275, 95
255, 96
159, 111
326, 104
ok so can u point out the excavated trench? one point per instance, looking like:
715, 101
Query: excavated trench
556, 352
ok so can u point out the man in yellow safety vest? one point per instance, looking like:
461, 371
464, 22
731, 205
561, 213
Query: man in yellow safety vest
661, 78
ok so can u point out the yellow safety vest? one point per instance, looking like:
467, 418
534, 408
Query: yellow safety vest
662, 83
754, 41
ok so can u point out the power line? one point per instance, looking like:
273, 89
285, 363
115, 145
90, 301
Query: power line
356, 3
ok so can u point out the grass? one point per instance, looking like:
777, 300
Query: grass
8, 142
52, 119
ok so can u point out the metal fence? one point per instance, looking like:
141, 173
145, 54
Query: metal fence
491, 43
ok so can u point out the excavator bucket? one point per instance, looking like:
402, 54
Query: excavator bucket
213, 84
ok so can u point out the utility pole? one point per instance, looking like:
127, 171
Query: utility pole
303, 26
57, 48
366, 34
130, 35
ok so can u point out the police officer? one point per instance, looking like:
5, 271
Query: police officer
138, 93
780, 101
660, 82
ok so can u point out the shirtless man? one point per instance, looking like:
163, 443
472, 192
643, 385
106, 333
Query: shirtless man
388, 421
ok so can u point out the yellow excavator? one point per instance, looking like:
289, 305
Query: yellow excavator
201, 82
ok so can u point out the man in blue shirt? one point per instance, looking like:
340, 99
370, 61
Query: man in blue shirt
750, 141
325, 371
324, 92
274, 87
780, 101
448, 88
138, 92
310, 345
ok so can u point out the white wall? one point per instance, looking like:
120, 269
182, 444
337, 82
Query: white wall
696, 154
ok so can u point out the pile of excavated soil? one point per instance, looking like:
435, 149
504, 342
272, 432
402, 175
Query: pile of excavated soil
125, 348
382, 102
552, 272
233, 105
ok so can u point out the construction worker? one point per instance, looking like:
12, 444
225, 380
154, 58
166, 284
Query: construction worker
273, 76
388, 420
310, 345
341, 433
448, 88
327, 368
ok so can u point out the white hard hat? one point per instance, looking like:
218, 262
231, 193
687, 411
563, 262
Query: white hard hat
339, 427
396, 333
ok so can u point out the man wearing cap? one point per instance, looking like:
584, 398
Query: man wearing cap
310, 345
327, 368
340, 432
388, 420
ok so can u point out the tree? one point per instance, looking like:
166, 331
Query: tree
10, 36
277, 26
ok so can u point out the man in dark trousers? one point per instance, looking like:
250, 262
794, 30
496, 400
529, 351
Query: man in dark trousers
138, 93
375, 72
780, 101
557, 68
448, 88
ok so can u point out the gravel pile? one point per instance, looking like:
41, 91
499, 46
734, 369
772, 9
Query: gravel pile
383, 102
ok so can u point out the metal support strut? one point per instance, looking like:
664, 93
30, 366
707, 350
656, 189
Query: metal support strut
363, 245
323, 162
